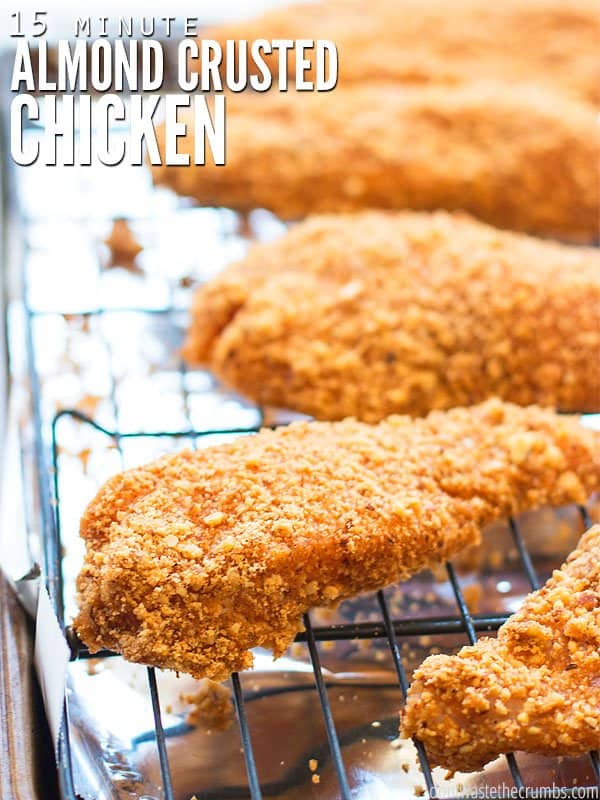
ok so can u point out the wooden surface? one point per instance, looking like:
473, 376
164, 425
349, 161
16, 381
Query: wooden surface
27, 770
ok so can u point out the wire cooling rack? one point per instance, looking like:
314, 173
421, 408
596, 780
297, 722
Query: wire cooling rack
81, 317
389, 628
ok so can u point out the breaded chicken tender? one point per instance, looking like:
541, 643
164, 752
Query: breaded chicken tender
535, 688
377, 313
518, 157
200, 556
416, 42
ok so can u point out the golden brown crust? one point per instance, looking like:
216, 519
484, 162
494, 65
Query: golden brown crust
377, 313
518, 157
535, 688
198, 557
547, 41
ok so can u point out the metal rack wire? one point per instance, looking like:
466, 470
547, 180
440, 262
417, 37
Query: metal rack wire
391, 629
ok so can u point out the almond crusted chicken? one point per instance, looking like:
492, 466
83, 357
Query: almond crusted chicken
414, 42
200, 556
376, 313
520, 157
535, 688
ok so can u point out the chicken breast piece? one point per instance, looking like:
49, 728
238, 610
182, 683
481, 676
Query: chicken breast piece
519, 157
377, 313
535, 688
200, 556
409, 41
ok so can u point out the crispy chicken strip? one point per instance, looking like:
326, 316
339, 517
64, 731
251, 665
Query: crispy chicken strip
378, 313
535, 688
200, 556
415, 42
516, 156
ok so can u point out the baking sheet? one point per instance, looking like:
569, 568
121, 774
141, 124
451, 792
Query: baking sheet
106, 343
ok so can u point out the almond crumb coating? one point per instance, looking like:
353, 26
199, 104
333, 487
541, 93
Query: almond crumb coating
535, 688
416, 42
311, 514
376, 313
519, 157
